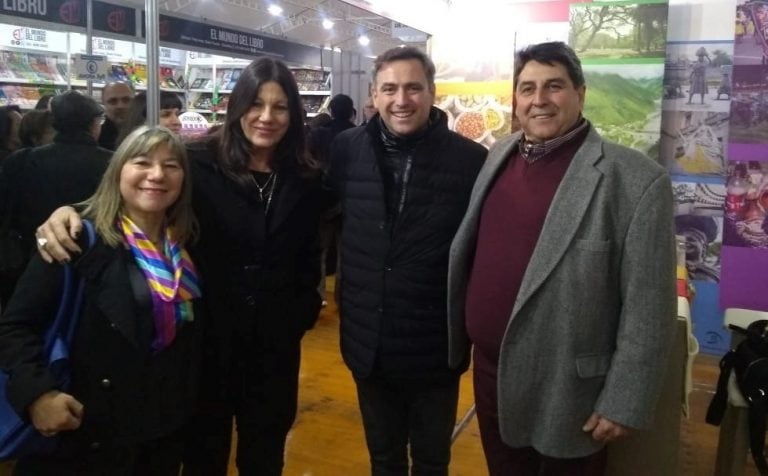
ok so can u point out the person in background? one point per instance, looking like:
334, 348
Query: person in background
258, 198
36, 128
44, 103
698, 77
368, 110
116, 98
321, 119
171, 108
135, 358
404, 182
67, 171
10, 120
562, 276
342, 112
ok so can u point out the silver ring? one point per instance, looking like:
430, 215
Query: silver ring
41, 242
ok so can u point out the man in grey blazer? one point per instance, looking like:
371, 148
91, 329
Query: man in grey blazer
562, 277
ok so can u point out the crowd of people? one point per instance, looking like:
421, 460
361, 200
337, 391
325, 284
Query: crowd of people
548, 262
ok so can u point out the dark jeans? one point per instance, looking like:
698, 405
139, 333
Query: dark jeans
264, 408
396, 414
160, 457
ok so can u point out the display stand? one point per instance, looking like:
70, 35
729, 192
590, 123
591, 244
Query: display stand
211, 79
41, 63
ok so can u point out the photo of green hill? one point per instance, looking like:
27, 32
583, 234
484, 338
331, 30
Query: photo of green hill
624, 103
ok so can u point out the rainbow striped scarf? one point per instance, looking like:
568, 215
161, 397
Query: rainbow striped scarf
171, 277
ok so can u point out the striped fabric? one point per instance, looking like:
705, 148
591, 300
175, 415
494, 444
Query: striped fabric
171, 277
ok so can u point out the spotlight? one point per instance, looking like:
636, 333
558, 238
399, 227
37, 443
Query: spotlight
327, 24
363, 40
275, 10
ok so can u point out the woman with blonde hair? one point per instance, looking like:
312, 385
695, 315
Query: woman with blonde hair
135, 357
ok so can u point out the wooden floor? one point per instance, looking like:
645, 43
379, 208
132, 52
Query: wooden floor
327, 439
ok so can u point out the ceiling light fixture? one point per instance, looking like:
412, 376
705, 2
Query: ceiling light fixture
327, 24
275, 10
363, 40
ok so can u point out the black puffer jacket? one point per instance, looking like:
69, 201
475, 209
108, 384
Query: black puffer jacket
393, 295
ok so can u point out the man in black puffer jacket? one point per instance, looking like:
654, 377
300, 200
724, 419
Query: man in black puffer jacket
404, 181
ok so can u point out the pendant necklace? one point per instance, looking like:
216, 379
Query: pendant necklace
271, 192
266, 186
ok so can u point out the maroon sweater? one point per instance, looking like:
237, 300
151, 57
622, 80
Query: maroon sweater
510, 223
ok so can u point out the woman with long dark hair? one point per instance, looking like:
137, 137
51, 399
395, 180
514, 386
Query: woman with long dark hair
257, 196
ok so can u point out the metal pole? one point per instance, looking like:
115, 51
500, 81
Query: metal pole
153, 65
89, 39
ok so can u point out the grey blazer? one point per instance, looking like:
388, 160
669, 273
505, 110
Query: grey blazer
592, 323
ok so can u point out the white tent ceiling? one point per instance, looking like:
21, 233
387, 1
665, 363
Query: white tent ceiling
301, 21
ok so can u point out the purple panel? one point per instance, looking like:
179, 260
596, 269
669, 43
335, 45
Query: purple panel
747, 151
743, 278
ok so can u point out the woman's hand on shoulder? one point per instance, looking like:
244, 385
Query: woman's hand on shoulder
55, 411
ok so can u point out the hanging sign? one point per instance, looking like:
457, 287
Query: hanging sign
106, 16
201, 35
93, 67
33, 38
68, 12
407, 33
114, 18
166, 56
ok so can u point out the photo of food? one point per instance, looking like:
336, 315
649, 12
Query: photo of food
483, 118
692, 142
618, 31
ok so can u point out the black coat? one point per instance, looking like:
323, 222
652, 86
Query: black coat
45, 178
394, 274
260, 278
320, 139
130, 394
108, 135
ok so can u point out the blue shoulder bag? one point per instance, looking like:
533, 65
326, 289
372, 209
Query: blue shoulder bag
18, 437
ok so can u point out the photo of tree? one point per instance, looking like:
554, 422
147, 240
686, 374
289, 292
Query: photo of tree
607, 31
623, 104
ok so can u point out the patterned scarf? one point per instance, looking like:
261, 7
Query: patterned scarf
172, 281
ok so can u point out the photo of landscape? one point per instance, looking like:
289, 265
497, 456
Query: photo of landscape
623, 102
606, 31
